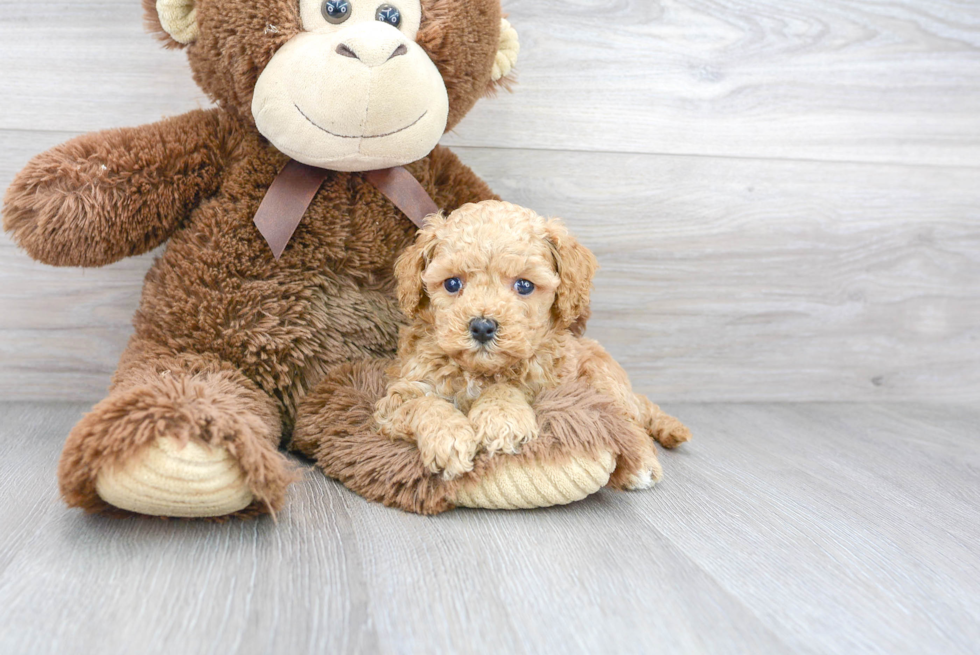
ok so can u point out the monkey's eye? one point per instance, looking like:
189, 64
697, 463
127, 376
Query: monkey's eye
390, 15
524, 287
453, 285
336, 11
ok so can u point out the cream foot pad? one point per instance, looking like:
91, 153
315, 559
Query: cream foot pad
170, 479
527, 485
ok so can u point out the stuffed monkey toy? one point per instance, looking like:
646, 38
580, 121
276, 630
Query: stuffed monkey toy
241, 319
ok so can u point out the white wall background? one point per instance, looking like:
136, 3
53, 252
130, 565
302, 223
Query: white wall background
784, 194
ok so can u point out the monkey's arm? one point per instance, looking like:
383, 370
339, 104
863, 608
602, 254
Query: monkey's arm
455, 183
108, 195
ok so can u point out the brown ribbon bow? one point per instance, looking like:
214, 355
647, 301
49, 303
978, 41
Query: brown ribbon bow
293, 190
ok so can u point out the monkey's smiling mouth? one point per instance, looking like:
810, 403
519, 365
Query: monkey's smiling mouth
370, 136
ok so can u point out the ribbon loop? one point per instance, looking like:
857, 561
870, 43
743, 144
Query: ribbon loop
293, 190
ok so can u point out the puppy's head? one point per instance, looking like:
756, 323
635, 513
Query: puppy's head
494, 281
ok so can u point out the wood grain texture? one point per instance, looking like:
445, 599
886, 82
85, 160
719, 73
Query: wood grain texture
892, 81
722, 279
808, 528
754, 280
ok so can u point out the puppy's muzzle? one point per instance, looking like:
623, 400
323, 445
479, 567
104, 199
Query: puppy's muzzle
483, 330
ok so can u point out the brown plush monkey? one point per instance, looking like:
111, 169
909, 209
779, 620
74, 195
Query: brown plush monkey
228, 339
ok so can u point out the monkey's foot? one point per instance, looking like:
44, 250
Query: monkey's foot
527, 484
167, 478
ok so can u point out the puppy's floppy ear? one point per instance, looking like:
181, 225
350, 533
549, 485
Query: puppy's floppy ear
411, 264
576, 266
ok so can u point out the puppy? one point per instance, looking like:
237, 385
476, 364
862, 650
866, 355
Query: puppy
495, 294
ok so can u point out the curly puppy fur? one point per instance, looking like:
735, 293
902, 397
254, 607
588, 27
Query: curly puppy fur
454, 394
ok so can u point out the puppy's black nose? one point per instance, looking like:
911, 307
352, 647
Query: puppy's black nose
483, 330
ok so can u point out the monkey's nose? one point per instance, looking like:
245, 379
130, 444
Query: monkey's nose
483, 330
346, 51
371, 55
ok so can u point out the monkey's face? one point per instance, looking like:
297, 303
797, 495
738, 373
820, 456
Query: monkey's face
353, 91
350, 85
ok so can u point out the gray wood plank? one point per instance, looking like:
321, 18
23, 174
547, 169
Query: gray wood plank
103, 69
29, 434
589, 580
892, 81
780, 528
337, 574
722, 279
812, 281
851, 527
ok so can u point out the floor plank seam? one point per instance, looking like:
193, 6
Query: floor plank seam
697, 155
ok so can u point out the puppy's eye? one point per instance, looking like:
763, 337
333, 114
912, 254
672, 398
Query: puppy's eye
390, 15
336, 11
524, 287
453, 285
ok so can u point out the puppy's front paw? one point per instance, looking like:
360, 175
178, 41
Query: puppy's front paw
504, 427
448, 448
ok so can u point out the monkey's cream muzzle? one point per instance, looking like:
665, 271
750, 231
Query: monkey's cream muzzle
358, 99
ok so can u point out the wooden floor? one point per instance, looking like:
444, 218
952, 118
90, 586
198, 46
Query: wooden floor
809, 528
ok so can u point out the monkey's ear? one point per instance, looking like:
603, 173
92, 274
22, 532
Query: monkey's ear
576, 266
411, 265
508, 49
174, 21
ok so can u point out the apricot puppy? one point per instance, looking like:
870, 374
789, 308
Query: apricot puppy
494, 293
